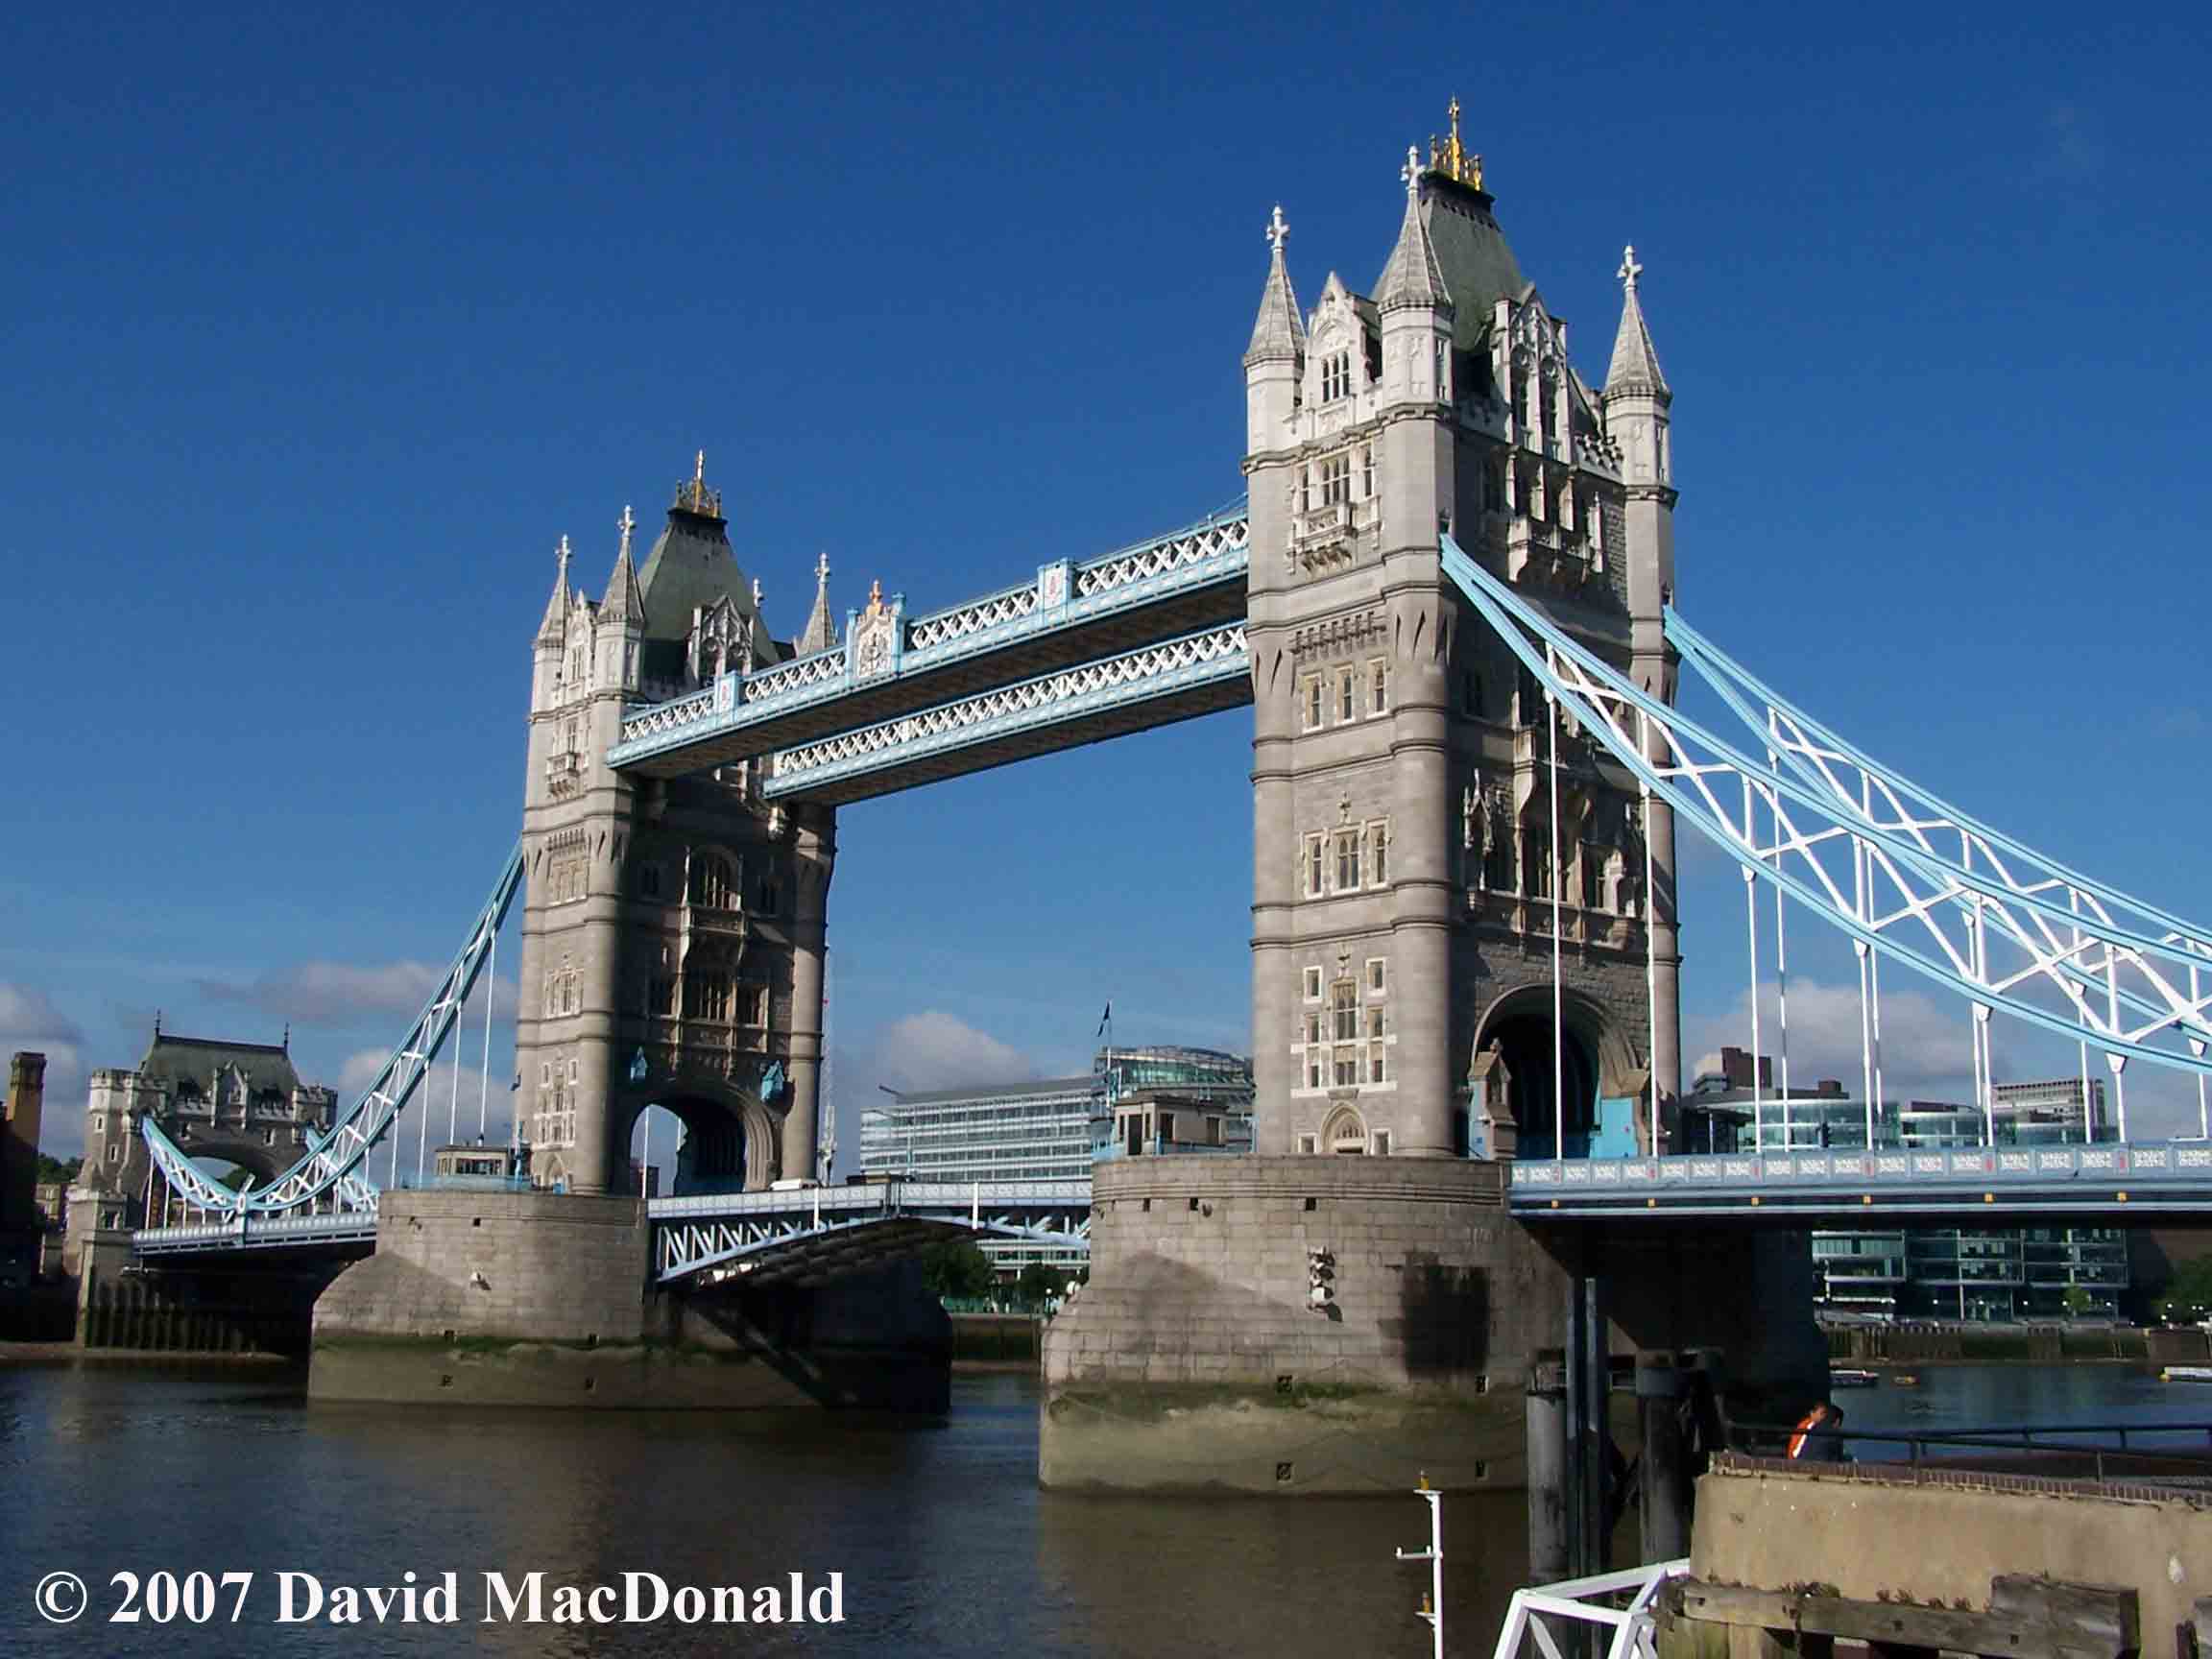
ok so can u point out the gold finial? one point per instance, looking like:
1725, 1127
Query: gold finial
693, 495
1453, 158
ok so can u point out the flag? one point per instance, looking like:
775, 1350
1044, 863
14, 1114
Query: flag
1105, 1020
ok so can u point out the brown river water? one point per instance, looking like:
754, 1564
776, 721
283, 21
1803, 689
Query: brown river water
945, 1545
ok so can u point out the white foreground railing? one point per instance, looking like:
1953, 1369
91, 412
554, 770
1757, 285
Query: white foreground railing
1576, 1600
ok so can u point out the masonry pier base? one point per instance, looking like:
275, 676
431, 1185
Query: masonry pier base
1197, 1361
537, 1299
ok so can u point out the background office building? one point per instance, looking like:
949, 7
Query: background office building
1051, 1128
1960, 1273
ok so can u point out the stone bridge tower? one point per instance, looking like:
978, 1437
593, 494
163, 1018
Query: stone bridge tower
1406, 859
672, 931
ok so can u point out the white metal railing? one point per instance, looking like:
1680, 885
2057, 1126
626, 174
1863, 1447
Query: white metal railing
1578, 1600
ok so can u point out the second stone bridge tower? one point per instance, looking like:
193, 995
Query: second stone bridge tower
672, 929
1409, 868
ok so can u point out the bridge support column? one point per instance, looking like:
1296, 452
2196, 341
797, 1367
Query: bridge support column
1663, 1471
1546, 1435
814, 854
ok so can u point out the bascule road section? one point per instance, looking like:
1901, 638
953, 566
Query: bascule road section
1087, 649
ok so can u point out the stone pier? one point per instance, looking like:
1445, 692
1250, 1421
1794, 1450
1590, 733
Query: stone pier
541, 1299
1194, 1360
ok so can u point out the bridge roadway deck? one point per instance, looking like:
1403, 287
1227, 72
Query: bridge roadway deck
2106, 1183
1070, 615
812, 1233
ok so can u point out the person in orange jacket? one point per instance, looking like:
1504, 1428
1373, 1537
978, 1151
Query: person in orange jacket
1816, 1438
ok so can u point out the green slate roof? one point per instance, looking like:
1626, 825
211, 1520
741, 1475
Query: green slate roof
690, 568
1471, 251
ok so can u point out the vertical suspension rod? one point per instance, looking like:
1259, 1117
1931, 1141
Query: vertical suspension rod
1559, 992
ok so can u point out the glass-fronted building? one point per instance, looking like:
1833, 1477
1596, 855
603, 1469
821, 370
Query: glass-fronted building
1967, 1273
1052, 1128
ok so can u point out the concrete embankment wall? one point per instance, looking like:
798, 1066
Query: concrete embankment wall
541, 1299
1939, 1537
1193, 1361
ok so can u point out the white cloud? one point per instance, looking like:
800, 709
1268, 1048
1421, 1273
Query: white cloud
345, 994
938, 1050
1926, 1050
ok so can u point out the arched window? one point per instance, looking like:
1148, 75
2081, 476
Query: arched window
715, 881
1346, 1134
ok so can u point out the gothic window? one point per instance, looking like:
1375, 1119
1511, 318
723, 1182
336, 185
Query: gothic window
715, 881
567, 868
568, 737
1312, 701
661, 995
1368, 472
706, 996
648, 880
1335, 480
1375, 975
1379, 855
1346, 1134
1335, 375
1377, 687
1375, 1019
1528, 698
1592, 876
1375, 1054
1313, 1029
1347, 695
1306, 1144
1536, 862
753, 1005
1313, 1063
1382, 1143
1344, 1011
576, 667
114, 1151
1313, 984
1314, 856
1443, 373
1498, 858
1347, 860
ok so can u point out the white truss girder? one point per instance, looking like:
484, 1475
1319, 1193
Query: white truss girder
1900, 872
1067, 693
331, 1169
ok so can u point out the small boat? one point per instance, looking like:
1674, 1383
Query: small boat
2186, 1374
1905, 1380
1848, 1378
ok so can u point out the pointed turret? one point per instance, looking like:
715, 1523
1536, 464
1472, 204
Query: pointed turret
622, 603
1278, 336
555, 621
1635, 366
821, 632
1413, 276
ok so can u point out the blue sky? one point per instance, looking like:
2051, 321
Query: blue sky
322, 324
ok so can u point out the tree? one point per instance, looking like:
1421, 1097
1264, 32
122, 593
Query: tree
55, 1170
2188, 1295
956, 1267
1038, 1284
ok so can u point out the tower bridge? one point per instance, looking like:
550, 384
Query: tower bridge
1449, 598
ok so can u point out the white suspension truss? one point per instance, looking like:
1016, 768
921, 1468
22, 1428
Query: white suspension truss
1903, 874
334, 1165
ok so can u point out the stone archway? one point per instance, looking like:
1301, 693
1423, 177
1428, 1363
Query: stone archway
1592, 1058
728, 1141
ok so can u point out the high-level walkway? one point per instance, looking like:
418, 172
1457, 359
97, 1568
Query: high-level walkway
1135, 639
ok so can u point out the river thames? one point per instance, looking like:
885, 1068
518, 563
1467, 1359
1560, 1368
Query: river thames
945, 1545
